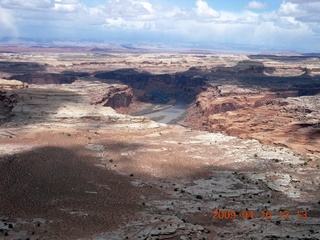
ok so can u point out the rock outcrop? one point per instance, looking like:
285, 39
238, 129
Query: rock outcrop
71, 102
8, 99
103, 94
280, 118
12, 84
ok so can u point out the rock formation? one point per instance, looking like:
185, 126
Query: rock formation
278, 118
12, 84
8, 99
81, 99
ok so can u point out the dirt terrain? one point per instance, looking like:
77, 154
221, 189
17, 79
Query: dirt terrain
73, 167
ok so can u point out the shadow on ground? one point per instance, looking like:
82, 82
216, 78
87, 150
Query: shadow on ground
21, 67
62, 186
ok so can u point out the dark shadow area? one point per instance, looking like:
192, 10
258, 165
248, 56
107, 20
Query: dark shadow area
254, 74
74, 74
303, 85
7, 102
284, 57
159, 88
21, 67
46, 78
305, 125
35, 73
312, 131
62, 186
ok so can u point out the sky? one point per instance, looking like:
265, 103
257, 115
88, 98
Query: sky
282, 25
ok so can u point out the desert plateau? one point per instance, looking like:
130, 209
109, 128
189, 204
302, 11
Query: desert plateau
130, 144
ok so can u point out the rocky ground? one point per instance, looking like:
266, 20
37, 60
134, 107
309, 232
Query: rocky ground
71, 167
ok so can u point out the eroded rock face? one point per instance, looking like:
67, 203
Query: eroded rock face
7, 102
8, 99
281, 118
104, 94
81, 99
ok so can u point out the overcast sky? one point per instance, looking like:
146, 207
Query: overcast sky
279, 24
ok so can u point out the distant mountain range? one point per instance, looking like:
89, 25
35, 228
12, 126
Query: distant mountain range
140, 47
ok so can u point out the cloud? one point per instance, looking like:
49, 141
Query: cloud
146, 5
28, 5
7, 24
290, 9
306, 11
158, 21
302, 1
204, 10
256, 5
127, 9
269, 16
311, 14
67, 5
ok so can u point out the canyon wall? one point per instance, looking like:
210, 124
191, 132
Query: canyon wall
283, 118
160, 87
109, 95
8, 99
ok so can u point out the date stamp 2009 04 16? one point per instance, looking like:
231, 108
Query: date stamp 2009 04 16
264, 214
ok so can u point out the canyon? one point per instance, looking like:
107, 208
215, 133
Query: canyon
80, 157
